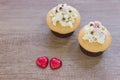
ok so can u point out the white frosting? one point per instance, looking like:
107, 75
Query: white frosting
64, 14
95, 32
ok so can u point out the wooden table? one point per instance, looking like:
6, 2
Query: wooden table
24, 36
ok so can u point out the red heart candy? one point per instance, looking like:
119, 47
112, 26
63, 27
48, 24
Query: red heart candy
55, 63
42, 62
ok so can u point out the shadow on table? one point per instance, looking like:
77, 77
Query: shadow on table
88, 62
57, 42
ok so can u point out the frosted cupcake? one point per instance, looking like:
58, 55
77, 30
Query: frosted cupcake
63, 20
94, 39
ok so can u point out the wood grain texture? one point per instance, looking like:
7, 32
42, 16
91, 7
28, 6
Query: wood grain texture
24, 36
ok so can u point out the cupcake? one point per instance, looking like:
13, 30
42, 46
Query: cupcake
94, 39
63, 20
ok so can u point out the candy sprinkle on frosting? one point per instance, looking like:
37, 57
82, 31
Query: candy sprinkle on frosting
95, 32
64, 14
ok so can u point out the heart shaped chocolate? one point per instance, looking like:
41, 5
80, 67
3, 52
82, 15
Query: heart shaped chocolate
42, 62
55, 63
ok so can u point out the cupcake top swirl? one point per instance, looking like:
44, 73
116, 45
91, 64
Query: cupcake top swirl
95, 32
64, 14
